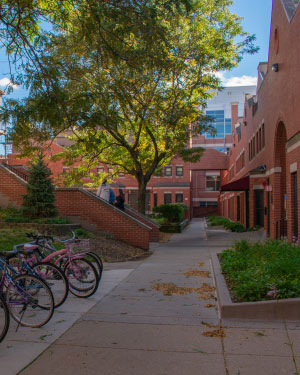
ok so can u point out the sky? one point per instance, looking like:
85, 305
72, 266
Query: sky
257, 19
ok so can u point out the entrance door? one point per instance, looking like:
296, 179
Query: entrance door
247, 209
295, 204
259, 207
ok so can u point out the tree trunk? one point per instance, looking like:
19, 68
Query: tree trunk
142, 195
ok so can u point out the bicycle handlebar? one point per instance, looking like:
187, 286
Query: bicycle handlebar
38, 237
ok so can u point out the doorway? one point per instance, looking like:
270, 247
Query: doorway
259, 208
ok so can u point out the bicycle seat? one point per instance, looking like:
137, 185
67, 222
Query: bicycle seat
29, 247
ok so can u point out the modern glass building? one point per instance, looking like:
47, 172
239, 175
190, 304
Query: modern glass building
221, 124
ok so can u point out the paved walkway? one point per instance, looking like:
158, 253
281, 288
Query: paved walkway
137, 330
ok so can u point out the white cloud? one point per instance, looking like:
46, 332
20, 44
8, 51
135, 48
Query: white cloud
237, 81
5, 82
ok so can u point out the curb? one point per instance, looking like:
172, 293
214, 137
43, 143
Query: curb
287, 309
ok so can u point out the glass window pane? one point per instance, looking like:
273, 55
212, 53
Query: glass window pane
179, 198
167, 198
168, 171
179, 171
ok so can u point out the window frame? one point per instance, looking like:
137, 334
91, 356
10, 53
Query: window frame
179, 175
216, 181
168, 167
165, 195
177, 195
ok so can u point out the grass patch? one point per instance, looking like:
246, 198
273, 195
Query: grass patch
228, 224
9, 237
262, 271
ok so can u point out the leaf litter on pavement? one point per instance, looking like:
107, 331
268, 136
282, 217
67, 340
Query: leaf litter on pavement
218, 331
168, 289
197, 273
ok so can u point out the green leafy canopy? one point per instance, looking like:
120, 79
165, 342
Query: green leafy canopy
128, 78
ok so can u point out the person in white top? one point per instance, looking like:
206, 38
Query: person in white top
103, 191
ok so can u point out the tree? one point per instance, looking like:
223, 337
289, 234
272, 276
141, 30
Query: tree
130, 89
39, 200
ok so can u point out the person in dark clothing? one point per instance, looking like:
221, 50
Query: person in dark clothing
120, 200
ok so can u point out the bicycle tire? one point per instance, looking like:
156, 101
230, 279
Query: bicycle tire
98, 261
30, 301
56, 280
4, 317
77, 272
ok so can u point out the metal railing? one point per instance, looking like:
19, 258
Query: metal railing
16, 171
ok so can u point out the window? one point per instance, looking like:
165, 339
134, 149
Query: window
100, 170
155, 200
110, 170
256, 137
66, 169
167, 198
259, 140
208, 204
179, 198
250, 151
121, 174
179, 171
263, 134
212, 183
168, 171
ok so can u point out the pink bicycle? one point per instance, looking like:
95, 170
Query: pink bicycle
81, 274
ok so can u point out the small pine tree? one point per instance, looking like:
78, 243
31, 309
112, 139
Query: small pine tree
39, 200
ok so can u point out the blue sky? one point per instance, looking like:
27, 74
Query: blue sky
257, 18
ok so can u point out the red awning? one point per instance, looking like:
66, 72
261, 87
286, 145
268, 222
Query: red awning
238, 185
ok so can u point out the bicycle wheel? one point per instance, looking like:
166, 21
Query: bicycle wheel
29, 300
55, 279
97, 261
82, 276
4, 318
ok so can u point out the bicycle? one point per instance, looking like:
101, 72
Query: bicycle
47, 247
28, 298
81, 274
49, 272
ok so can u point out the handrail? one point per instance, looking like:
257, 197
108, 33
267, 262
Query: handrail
22, 175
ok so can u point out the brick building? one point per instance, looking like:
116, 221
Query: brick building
262, 184
194, 184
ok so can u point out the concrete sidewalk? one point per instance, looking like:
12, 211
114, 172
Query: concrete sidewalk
137, 330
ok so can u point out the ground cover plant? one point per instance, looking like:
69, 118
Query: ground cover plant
262, 271
13, 215
228, 224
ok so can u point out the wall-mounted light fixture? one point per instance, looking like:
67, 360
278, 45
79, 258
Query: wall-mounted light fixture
275, 67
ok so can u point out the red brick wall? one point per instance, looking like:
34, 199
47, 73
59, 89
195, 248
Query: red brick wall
154, 234
11, 186
75, 202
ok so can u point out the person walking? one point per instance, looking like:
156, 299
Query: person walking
104, 191
112, 197
120, 200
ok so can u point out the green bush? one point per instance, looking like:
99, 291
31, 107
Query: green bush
230, 225
172, 213
256, 271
